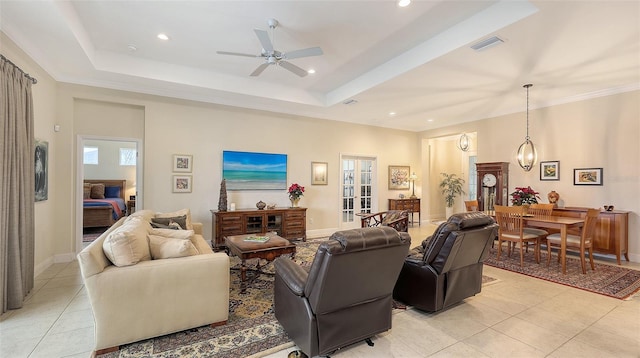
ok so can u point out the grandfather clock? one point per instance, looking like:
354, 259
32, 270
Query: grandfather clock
493, 185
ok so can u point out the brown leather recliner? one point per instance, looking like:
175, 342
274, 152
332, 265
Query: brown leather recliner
447, 267
346, 296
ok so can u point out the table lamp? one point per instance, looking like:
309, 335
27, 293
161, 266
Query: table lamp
413, 178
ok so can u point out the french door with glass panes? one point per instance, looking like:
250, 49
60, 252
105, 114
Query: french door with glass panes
358, 189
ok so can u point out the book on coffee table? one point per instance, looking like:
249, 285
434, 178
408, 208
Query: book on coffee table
257, 238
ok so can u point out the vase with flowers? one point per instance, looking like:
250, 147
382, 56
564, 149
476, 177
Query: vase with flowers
524, 197
296, 191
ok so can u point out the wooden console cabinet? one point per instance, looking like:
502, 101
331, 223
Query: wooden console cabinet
410, 205
612, 230
290, 223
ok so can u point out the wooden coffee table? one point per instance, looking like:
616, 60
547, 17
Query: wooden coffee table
268, 250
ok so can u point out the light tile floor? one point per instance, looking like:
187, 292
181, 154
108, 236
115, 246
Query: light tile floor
517, 316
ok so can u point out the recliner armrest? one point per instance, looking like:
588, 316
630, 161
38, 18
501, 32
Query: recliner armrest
292, 274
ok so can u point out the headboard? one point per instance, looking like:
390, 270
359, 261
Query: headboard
111, 182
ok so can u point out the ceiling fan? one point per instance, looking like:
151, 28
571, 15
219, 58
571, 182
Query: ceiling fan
274, 57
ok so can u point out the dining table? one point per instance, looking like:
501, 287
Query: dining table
561, 223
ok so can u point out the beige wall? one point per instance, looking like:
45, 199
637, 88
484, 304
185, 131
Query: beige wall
600, 132
204, 131
596, 133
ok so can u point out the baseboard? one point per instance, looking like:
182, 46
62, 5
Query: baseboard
55, 259
41, 267
314, 234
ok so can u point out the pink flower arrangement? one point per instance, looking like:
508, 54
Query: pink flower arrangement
524, 196
295, 191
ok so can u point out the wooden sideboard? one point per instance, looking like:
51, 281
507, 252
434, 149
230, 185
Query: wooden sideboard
410, 205
612, 230
290, 223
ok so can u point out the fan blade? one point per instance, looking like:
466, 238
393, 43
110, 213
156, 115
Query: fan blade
263, 36
312, 51
259, 70
235, 54
293, 68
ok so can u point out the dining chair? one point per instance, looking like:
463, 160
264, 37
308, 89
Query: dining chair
471, 205
511, 229
581, 242
538, 210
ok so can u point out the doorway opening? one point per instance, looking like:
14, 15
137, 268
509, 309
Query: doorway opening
111, 160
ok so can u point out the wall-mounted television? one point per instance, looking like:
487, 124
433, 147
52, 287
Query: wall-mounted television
254, 171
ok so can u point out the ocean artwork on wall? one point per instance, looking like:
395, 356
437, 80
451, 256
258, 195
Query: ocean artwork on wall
254, 171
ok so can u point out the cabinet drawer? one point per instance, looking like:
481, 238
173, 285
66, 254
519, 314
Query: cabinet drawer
295, 234
228, 219
293, 215
294, 224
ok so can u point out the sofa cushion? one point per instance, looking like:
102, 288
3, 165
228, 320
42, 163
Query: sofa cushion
165, 247
179, 213
120, 248
128, 244
145, 215
170, 222
97, 191
174, 234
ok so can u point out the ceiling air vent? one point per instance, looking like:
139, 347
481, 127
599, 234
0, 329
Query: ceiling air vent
485, 44
350, 101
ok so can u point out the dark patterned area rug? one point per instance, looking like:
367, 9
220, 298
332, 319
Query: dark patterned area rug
613, 281
252, 329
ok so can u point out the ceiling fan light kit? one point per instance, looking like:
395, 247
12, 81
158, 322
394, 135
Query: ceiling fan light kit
274, 57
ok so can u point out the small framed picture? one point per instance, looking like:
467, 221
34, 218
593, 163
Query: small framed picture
182, 163
587, 176
399, 177
182, 183
319, 173
550, 170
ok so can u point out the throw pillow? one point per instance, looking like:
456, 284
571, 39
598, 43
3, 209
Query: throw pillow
169, 222
174, 234
145, 215
182, 212
167, 248
111, 191
120, 248
97, 191
86, 191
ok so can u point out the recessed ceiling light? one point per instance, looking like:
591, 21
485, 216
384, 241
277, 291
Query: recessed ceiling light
404, 3
162, 36
429, 120
132, 48
311, 71
392, 114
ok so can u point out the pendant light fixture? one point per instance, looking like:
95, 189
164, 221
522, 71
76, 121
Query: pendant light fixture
463, 142
527, 155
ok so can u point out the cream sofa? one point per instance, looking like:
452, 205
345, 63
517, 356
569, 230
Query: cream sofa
153, 297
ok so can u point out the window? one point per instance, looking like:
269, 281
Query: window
127, 156
90, 155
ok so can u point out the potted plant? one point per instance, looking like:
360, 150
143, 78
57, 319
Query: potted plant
451, 187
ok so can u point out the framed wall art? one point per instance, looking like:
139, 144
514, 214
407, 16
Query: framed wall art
587, 176
41, 155
550, 170
182, 163
319, 173
254, 171
182, 183
399, 177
